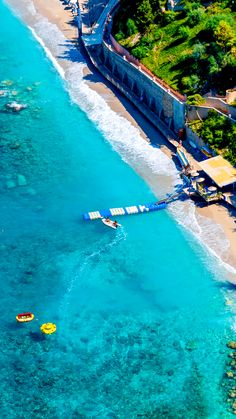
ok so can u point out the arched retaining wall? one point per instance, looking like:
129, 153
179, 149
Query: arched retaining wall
160, 106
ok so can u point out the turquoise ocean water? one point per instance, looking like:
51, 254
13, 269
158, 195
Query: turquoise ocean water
141, 321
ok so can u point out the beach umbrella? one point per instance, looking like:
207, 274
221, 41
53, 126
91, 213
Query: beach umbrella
200, 180
212, 188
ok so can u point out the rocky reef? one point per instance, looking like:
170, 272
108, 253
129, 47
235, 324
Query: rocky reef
229, 378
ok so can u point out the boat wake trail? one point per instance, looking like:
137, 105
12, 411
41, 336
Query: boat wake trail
77, 267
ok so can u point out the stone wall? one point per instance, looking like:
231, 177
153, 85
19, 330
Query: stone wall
201, 112
221, 105
158, 105
193, 138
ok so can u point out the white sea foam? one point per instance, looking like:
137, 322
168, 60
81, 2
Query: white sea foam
208, 233
125, 138
49, 54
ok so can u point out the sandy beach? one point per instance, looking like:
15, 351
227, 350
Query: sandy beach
60, 14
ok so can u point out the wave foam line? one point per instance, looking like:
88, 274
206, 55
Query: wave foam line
48, 54
206, 231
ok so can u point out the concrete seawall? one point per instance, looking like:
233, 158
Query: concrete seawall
158, 106
154, 100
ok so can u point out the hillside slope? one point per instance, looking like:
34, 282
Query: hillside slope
192, 49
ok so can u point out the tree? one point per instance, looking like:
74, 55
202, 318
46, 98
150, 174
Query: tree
213, 66
195, 16
144, 15
191, 83
196, 100
155, 4
198, 51
131, 27
218, 132
184, 32
224, 35
140, 52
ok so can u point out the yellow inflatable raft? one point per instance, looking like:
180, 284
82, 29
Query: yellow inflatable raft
48, 328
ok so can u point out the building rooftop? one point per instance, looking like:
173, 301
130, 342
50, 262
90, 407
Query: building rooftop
219, 170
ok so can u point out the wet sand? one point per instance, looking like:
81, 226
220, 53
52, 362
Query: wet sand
60, 14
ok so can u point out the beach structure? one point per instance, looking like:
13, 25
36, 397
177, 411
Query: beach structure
219, 170
210, 193
222, 174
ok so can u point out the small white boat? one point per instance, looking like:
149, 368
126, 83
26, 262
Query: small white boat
16, 107
110, 223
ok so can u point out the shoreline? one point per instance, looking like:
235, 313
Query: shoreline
56, 13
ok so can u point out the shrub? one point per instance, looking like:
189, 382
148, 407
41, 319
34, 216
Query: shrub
198, 51
219, 132
184, 32
189, 6
191, 83
169, 16
119, 36
196, 100
140, 52
146, 41
144, 15
131, 27
213, 66
224, 34
195, 16
214, 21
157, 34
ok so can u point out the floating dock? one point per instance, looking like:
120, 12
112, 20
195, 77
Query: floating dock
135, 209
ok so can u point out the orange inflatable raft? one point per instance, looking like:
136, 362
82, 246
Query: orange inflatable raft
25, 317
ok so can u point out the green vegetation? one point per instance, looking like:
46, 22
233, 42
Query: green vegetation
196, 100
192, 49
219, 133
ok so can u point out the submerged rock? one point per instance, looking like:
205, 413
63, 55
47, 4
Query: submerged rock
231, 355
10, 184
191, 345
21, 180
231, 344
14, 146
31, 192
7, 82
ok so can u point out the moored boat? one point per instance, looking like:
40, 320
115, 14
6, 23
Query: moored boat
110, 223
